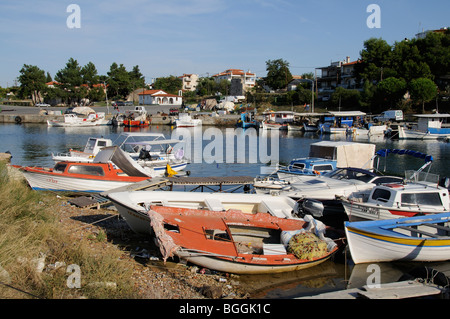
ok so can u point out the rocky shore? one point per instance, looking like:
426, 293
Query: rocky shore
152, 278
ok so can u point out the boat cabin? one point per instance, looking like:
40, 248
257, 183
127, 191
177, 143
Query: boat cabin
94, 145
410, 196
279, 117
310, 166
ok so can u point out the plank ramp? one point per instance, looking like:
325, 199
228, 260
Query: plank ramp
152, 183
395, 290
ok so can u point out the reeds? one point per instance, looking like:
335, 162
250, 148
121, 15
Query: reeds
36, 255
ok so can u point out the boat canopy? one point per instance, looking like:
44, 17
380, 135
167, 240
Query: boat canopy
385, 153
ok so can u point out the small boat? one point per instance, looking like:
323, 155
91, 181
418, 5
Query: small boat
270, 125
186, 120
235, 242
149, 150
132, 206
418, 194
247, 120
136, 118
397, 200
307, 166
420, 238
429, 127
340, 122
93, 177
92, 147
73, 120
370, 130
277, 120
308, 127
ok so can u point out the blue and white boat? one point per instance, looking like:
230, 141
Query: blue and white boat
340, 122
247, 120
421, 238
429, 127
307, 166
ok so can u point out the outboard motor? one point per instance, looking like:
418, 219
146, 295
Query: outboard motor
309, 207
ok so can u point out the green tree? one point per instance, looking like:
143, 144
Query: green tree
278, 74
70, 80
119, 83
350, 99
206, 87
89, 74
32, 82
137, 79
375, 61
422, 90
390, 91
171, 84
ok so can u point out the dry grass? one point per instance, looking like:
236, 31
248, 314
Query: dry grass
29, 230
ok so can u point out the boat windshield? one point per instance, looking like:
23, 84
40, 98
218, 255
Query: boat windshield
416, 199
86, 170
344, 173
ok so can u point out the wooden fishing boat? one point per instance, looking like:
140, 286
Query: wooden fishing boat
420, 238
232, 241
429, 127
132, 206
78, 177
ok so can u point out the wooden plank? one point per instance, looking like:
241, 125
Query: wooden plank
419, 231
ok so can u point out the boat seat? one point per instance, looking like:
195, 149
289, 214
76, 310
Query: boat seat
214, 204
415, 230
273, 209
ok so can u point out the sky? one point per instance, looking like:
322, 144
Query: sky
205, 37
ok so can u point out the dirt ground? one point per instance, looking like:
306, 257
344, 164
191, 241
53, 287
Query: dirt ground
152, 278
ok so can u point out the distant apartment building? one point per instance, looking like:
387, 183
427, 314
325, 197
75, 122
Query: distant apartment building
423, 34
337, 74
190, 82
241, 81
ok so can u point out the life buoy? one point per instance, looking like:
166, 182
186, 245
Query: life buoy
18, 119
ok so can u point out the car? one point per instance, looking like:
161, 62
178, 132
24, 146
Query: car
174, 111
42, 104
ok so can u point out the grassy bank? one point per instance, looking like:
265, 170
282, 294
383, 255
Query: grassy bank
36, 255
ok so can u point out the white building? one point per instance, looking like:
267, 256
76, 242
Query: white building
248, 78
159, 97
190, 82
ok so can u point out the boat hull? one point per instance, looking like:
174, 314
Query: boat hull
408, 134
363, 212
58, 183
247, 268
371, 246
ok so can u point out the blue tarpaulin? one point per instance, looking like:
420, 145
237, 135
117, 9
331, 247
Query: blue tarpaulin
385, 153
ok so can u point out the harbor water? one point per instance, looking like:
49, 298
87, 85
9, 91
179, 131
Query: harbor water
34, 144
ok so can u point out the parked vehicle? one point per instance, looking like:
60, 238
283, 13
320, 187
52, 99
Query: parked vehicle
391, 115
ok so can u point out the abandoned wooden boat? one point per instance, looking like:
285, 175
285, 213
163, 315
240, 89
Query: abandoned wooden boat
132, 206
420, 238
236, 242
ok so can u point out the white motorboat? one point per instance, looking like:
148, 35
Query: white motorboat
73, 120
149, 150
429, 127
186, 120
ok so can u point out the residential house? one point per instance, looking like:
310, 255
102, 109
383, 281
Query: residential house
337, 74
190, 82
423, 34
159, 97
247, 79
